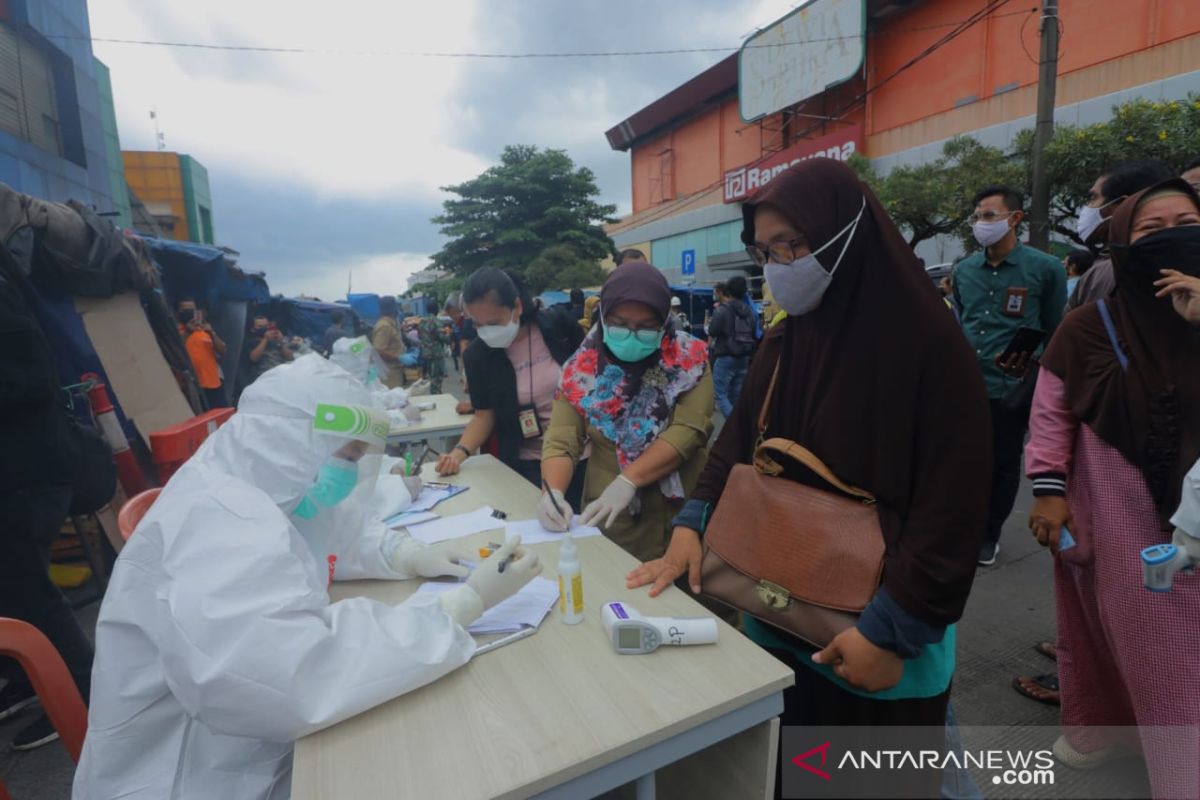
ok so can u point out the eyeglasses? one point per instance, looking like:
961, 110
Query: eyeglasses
988, 216
621, 334
779, 252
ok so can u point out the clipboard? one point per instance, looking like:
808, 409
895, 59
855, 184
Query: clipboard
507, 638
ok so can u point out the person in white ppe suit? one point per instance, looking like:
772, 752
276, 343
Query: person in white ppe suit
217, 644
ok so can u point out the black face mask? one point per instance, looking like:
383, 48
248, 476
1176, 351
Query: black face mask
1171, 248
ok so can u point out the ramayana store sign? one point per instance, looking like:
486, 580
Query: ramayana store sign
742, 182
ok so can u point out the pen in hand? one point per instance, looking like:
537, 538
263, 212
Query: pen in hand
553, 499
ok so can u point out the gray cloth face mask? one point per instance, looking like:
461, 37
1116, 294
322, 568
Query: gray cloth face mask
799, 286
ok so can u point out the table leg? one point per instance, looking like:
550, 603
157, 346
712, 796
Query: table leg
645, 787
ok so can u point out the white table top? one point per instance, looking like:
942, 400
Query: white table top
440, 419
538, 712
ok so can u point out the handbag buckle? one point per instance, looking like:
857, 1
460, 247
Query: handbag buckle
773, 596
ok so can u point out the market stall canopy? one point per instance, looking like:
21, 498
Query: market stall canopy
202, 272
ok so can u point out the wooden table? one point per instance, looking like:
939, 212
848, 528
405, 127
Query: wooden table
560, 714
442, 422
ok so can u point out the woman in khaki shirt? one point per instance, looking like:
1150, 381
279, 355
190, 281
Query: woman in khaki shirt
640, 391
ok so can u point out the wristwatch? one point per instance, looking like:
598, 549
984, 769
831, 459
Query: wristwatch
465, 451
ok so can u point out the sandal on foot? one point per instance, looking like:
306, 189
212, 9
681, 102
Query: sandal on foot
1074, 759
1047, 649
1044, 689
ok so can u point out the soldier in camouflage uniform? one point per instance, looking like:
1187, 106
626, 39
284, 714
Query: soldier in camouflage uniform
434, 349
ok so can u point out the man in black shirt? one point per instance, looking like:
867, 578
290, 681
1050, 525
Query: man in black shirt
731, 341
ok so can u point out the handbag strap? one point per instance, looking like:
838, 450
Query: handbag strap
795, 451
1111, 330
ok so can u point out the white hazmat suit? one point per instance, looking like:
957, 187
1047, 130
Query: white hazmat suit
217, 645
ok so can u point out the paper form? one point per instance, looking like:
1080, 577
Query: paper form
456, 526
532, 532
525, 609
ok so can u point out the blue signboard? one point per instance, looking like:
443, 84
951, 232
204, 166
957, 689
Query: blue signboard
689, 262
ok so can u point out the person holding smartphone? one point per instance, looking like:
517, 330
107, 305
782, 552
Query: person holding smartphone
1000, 289
203, 348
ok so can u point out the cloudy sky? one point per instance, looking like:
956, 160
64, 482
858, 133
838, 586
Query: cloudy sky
328, 163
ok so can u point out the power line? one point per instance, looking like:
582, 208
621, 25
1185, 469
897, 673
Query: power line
961, 27
478, 55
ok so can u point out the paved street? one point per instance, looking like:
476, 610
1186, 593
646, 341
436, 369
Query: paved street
1011, 608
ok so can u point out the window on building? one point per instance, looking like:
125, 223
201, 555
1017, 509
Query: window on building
28, 100
206, 230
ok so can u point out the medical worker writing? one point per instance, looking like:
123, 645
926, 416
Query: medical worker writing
217, 645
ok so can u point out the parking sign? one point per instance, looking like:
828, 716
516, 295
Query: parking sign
688, 264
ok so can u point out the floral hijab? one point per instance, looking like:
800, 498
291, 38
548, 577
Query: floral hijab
631, 404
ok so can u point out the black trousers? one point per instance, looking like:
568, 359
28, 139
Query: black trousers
814, 700
29, 522
216, 398
1008, 441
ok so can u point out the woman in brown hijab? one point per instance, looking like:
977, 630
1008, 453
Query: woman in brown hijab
878, 381
1115, 427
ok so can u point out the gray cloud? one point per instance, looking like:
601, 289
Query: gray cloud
569, 103
292, 233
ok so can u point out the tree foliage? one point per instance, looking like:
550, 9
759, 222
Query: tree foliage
934, 199
1077, 155
560, 267
515, 211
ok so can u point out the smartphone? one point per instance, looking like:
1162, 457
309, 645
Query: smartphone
1025, 340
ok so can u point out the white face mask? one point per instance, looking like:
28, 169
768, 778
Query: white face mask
988, 233
500, 336
1090, 219
798, 287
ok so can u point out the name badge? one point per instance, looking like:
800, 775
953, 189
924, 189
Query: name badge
1014, 301
531, 426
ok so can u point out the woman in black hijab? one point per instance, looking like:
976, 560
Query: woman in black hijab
877, 380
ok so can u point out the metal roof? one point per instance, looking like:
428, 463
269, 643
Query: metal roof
715, 83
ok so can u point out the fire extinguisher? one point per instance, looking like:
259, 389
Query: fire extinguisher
129, 473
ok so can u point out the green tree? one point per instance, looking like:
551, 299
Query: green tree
559, 266
1077, 155
934, 199
438, 291
512, 212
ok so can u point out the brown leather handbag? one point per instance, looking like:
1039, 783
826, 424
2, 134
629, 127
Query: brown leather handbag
804, 560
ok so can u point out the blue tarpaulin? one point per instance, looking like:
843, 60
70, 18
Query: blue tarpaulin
199, 271
310, 318
366, 306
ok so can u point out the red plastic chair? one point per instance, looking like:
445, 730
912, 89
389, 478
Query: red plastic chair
51, 681
132, 512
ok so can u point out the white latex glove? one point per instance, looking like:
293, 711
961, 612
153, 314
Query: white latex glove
487, 585
615, 498
1187, 544
551, 518
415, 558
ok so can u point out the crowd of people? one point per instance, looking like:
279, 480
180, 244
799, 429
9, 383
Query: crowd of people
609, 408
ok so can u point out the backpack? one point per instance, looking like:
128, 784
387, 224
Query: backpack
743, 339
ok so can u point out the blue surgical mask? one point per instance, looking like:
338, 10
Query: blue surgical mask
630, 345
335, 482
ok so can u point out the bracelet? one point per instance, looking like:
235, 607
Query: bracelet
465, 451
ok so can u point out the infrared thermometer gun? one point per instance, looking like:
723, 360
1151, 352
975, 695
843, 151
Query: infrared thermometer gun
633, 634
1160, 562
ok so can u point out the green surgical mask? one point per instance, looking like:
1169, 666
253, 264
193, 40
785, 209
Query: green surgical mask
630, 345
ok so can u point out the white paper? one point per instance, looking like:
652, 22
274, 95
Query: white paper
432, 495
525, 609
411, 518
456, 526
532, 531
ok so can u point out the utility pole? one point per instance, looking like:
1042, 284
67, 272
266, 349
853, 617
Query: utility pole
1039, 212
